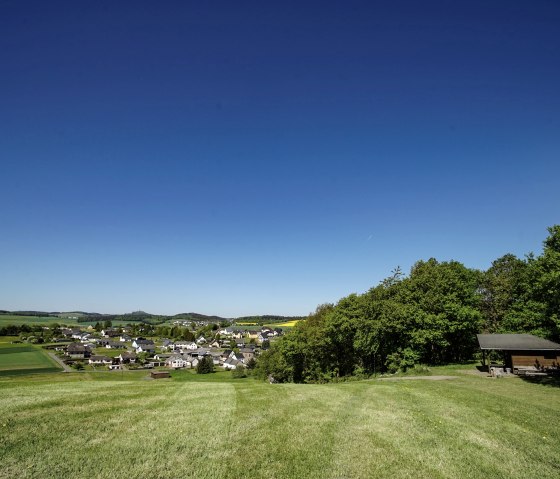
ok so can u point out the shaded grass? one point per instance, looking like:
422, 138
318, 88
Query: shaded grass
211, 426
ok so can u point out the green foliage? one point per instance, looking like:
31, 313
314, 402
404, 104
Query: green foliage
401, 360
78, 366
205, 365
430, 317
251, 364
239, 372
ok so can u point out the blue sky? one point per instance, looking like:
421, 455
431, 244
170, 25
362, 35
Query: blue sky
239, 158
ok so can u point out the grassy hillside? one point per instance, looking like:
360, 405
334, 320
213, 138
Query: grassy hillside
211, 427
6, 319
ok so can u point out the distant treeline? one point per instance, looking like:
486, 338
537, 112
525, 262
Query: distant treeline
143, 317
429, 317
15, 330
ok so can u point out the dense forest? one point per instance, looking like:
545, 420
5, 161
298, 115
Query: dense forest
429, 317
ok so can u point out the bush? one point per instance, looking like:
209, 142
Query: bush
402, 360
239, 372
78, 366
205, 365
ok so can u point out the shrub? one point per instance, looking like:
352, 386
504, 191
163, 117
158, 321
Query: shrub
402, 360
239, 372
205, 365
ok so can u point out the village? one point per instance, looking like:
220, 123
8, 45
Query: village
116, 349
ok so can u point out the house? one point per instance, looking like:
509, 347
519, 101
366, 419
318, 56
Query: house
167, 344
238, 356
191, 345
146, 348
192, 362
201, 340
247, 353
215, 344
225, 354
522, 353
115, 345
110, 333
263, 336
252, 334
138, 341
176, 362
232, 363
101, 342
77, 351
66, 332
164, 356
100, 360
237, 334
124, 338
126, 357
199, 352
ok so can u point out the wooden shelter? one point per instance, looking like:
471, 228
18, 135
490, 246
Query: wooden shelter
159, 374
522, 352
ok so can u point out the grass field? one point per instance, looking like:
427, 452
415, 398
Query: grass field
109, 425
6, 319
17, 359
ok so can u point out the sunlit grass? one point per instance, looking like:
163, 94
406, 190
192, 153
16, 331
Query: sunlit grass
211, 426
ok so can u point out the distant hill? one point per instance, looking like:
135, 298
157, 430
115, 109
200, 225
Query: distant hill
199, 317
142, 316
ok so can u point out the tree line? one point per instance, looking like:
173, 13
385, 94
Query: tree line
429, 317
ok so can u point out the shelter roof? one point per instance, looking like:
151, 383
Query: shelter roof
512, 342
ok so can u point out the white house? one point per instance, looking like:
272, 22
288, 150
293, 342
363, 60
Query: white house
142, 342
146, 348
231, 363
191, 345
176, 362
100, 360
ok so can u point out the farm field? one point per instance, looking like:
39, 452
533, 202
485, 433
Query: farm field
288, 324
6, 319
255, 327
213, 426
24, 359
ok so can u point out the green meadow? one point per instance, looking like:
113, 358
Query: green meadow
18, 359
6, 319
121, 425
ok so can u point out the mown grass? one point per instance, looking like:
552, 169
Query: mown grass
113, 425
18, 359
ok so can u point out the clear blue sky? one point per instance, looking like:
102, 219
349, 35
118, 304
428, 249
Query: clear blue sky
239, 158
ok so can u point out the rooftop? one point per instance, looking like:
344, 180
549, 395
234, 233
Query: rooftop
511, 342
